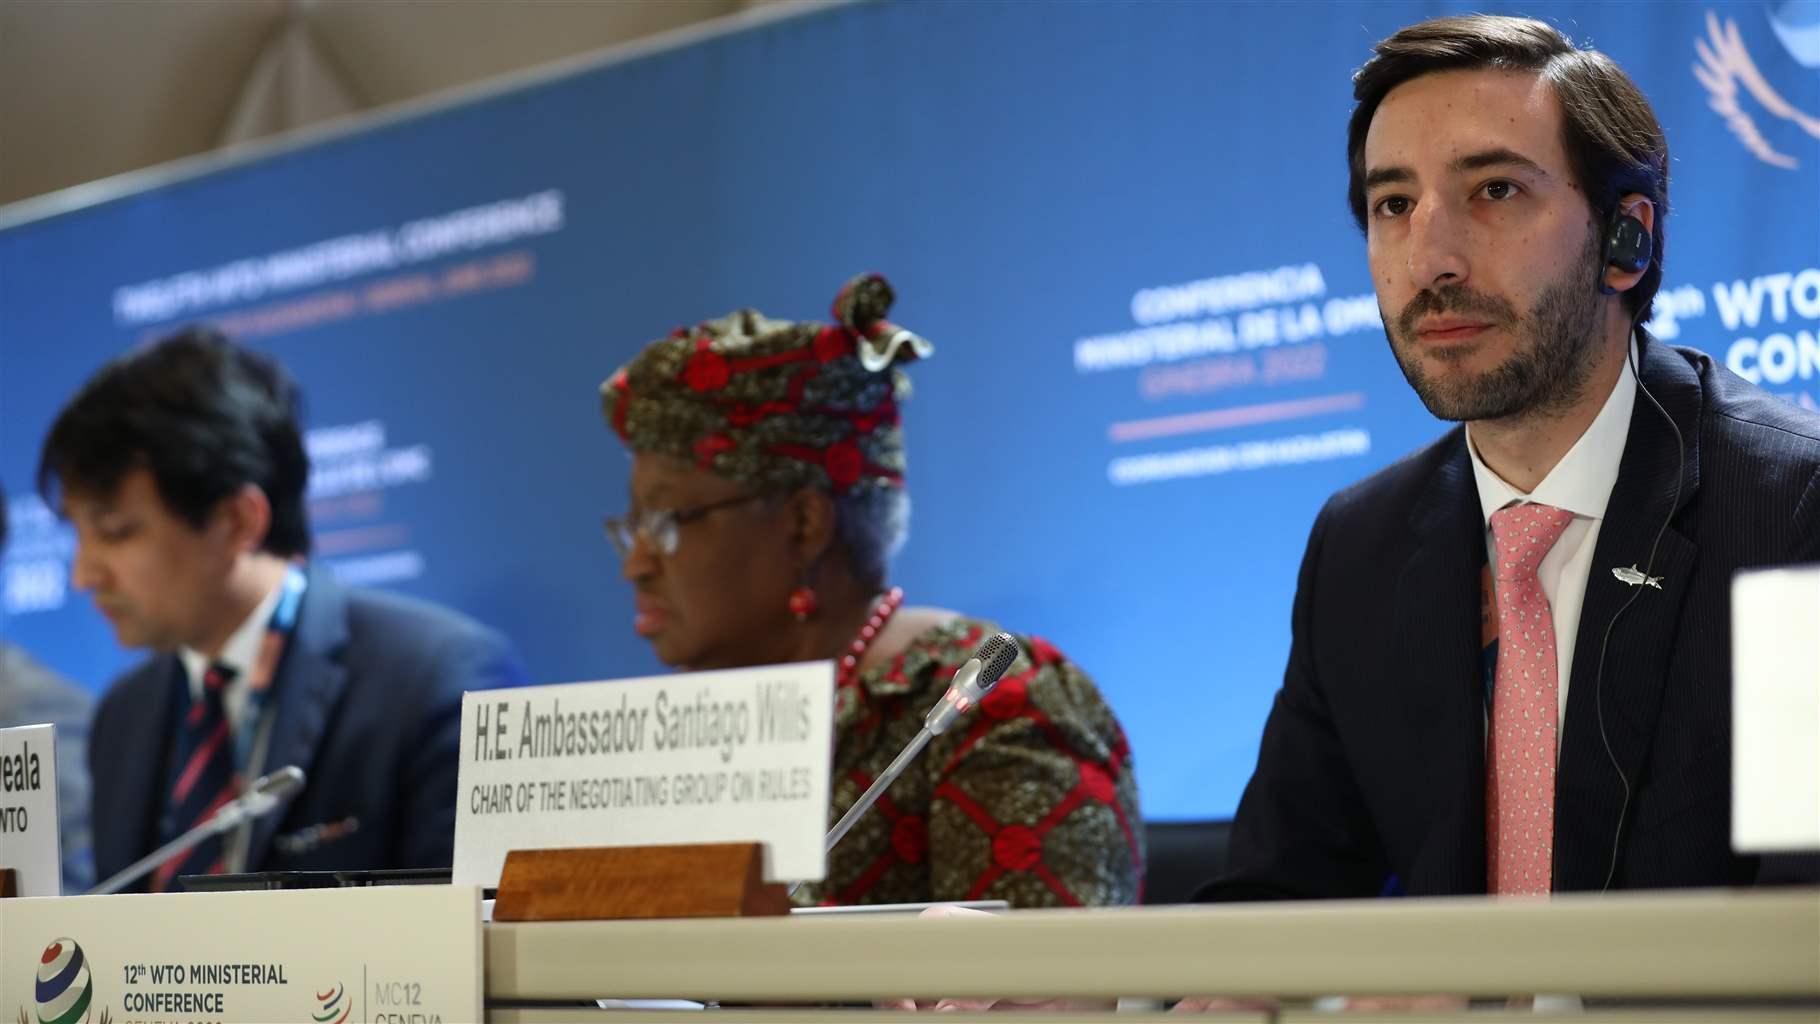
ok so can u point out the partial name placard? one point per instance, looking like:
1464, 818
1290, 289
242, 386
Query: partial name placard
407, 954
1776, 710
29, 840
740, 755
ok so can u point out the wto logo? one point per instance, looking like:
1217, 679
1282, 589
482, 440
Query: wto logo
333, 1005
1730, 75
66, 989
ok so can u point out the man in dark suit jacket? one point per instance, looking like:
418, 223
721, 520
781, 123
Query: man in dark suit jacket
182, 468
1372, 769
1513, 189
367, 701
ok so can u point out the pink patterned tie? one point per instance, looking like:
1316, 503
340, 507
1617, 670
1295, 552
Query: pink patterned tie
1520, 745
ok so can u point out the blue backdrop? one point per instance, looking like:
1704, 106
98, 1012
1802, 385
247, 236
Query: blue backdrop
1123, 225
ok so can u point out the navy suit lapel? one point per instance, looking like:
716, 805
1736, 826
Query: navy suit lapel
133, 774
1589, 794
1434, 658
308, 685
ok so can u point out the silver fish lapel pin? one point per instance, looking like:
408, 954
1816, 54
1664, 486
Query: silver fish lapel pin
1636, 577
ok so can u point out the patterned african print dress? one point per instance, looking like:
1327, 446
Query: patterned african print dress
1030, 798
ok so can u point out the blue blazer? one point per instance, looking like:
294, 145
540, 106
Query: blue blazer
367, 701
1371, 774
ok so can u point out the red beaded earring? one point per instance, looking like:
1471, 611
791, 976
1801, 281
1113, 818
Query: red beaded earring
803, 603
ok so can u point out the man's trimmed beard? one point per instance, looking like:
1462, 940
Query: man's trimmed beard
1549, 368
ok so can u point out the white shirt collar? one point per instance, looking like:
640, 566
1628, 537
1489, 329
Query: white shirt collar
242, 647
1582, 481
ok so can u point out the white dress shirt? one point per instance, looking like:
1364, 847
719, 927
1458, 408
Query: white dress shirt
1581, 483
239, 653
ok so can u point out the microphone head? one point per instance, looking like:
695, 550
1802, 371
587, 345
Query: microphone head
995, 656
972, 681
279, 784
259, 799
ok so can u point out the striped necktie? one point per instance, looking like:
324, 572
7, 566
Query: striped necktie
205, 749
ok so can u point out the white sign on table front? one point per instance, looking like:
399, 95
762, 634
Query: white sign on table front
1776, 710
408, 954
29, 842
740, 755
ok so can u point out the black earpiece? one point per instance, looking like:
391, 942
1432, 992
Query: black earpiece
1627, 246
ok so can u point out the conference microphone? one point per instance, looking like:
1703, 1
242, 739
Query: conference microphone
260, 799
972, 681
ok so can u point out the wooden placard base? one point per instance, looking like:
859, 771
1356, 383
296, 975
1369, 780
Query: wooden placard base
9, 883
637, 882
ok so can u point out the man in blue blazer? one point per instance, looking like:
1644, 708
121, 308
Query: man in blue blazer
1510, 668
182, 468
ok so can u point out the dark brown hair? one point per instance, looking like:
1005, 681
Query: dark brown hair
1614, 143
204, 415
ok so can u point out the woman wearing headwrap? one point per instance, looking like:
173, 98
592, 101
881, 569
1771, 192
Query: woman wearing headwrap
767, 498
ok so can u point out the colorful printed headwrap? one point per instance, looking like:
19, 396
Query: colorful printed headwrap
774, 404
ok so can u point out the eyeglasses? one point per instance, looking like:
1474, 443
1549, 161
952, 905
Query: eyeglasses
658, 526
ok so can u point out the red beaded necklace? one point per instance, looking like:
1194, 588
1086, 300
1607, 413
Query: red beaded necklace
881, 614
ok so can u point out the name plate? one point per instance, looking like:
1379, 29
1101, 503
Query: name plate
1776, 710
740, 755
29, 842
400, 955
